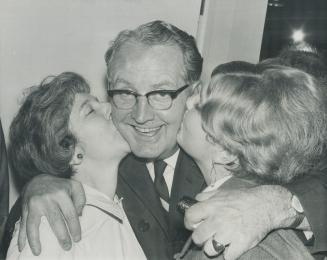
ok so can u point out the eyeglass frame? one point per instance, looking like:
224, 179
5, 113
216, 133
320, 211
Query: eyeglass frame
172, 93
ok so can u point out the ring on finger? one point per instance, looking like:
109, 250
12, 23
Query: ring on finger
218, 247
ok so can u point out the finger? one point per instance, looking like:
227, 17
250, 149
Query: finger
78, 196
205, 195
59, 228
32, 229
205, 231
69, 212
196, 214
22, 230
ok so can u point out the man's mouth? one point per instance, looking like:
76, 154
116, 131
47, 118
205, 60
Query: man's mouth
147, 131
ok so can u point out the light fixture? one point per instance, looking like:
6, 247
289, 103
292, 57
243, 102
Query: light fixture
298, 36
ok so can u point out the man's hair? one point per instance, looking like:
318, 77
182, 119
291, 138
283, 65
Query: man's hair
273, 119
40, 140
160, 33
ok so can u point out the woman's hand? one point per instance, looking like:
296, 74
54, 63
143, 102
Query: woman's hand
61, 201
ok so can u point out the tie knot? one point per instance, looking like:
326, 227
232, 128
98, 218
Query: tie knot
159, 168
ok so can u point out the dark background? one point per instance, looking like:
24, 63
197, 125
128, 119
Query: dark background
285, 16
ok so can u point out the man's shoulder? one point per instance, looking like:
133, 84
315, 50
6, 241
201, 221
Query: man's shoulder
130, 162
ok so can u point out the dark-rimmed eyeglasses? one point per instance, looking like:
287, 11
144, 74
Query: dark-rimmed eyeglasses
157, 99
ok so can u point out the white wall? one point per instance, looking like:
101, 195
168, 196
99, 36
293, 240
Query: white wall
42, 37
231, 30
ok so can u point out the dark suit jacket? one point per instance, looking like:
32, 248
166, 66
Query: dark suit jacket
160, 234
4, 184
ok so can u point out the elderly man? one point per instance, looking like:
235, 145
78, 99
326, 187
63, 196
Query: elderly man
159, 61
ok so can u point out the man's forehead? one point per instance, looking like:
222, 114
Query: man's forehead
153, 66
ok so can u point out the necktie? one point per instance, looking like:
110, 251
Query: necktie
159, 180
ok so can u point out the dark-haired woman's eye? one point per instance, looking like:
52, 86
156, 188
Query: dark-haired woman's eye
90, 111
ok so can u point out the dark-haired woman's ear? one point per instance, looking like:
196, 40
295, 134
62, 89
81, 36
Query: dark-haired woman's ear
78, 156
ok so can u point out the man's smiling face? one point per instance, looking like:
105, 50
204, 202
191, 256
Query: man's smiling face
150, 133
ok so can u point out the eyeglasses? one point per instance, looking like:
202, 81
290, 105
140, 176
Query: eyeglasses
157, 99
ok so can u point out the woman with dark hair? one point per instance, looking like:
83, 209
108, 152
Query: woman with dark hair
63, 130
253, 125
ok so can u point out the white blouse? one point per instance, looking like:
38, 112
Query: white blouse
106, 234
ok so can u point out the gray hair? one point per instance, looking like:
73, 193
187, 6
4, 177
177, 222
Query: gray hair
161, 33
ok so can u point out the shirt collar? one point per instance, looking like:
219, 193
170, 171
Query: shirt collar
97, 199
171, 161
216, 185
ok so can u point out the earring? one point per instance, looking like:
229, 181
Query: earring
80, 156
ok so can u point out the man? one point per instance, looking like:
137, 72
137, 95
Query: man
159, 61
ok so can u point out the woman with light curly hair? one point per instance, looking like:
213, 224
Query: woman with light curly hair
254, 125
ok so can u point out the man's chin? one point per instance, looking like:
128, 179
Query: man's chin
145, 156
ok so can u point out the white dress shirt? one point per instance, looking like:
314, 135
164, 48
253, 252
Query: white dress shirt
106, 234
168, 174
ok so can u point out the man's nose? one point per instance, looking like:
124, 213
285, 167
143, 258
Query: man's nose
142, 111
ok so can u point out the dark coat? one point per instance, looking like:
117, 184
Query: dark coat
160, 234
4, 184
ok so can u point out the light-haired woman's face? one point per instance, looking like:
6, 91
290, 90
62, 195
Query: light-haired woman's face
90, 122
191, 136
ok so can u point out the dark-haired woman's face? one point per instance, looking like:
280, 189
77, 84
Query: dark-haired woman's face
90, 122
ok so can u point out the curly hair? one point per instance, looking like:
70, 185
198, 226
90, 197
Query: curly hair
39, 140
273, 119
160, 33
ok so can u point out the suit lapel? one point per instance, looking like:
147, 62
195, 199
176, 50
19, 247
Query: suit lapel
136, 175
188, 181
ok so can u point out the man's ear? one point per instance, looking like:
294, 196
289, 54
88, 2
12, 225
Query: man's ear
196, 87
78, 156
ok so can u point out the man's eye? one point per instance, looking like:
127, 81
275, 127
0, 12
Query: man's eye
163, 94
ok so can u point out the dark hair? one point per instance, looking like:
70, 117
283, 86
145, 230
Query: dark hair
40, 140
161, 33
274, 121
235, 67
305, 58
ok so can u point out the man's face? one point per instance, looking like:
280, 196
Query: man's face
150, 133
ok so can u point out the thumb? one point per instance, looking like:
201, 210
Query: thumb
205, 195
